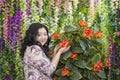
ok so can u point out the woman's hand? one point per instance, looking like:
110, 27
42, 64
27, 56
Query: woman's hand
64, 49
60, 50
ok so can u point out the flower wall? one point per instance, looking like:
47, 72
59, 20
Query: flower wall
91, 27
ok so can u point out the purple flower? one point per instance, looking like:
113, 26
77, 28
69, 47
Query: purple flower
118, 15
112, 48
14, 34
112, 52
10, 65
118, 64
7, 77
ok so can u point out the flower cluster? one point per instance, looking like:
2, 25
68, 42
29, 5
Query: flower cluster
88, 32
84, 54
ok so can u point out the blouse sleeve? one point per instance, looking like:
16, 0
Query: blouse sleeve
38, 59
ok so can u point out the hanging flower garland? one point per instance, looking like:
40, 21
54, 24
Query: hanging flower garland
14, 33
2, 2
114, 45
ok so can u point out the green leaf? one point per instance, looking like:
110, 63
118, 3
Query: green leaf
69, 64
63, 78
101, 74
82, 44
66, 55
88, 67
70, 28
58, 72
80, 64
91, 75
96, 58
77, 50
75, 76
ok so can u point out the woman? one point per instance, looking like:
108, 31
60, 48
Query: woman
37, 65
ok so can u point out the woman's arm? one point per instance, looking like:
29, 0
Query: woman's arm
37, 58
58, 53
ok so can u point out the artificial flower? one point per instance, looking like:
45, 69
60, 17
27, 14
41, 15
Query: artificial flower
97, 66
82, 23
73, 55
64, 43
64, 71
98, 34
87, 32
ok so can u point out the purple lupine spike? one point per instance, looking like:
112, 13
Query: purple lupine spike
14, 34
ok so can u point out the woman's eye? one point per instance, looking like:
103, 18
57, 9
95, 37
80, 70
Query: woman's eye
38, 35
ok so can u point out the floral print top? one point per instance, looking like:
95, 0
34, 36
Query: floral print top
37, 65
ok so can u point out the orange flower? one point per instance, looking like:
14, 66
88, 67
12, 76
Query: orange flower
98, 33
54, 35
107, 62
82, 23
64, 71
87, 32
73, 55
64, 43
97, 66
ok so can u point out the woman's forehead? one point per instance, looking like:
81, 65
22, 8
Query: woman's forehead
40, 30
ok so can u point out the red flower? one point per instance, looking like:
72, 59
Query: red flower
107, 62
98, 34
64, 71
82, 23
97, 66
73, 55
64, 43
87, 32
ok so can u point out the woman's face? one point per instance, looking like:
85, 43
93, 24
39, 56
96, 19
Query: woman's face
42, 36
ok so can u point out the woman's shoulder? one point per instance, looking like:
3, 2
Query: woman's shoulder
35, 47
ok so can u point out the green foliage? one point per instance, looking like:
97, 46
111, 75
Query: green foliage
89, 50
88, 53
10, 66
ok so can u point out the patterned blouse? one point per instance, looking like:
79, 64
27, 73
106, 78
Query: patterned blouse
37, 65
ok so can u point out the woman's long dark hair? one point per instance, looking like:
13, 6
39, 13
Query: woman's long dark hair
30, 36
